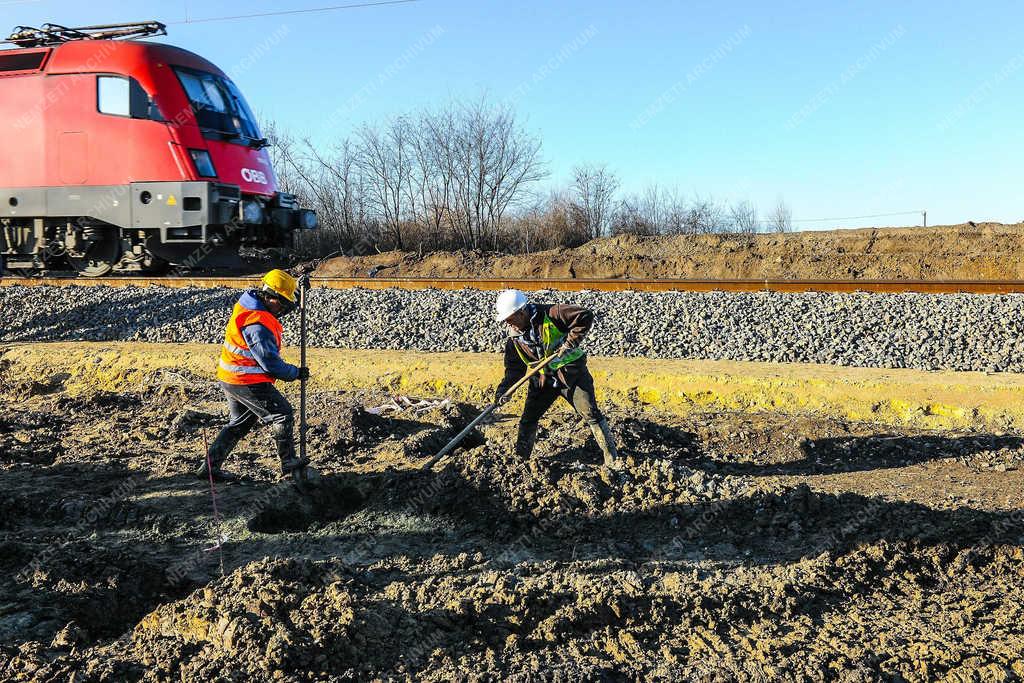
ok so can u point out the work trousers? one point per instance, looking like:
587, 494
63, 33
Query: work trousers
249, 404
580, 396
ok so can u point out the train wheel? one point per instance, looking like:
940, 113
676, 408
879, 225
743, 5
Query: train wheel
98, 258
158, 267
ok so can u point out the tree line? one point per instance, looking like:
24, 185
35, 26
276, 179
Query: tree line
471, 176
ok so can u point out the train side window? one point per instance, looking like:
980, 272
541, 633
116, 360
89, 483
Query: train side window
113, 95
122, 96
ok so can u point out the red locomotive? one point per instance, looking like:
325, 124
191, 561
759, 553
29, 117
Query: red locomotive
128, 156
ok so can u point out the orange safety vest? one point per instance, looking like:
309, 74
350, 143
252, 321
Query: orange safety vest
237, 366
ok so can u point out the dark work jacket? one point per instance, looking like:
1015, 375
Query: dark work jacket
574, 321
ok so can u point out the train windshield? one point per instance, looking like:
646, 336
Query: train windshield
219, 107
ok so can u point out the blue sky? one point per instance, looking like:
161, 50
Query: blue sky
843, 109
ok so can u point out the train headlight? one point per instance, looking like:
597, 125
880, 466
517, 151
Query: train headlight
252, 213
203, 162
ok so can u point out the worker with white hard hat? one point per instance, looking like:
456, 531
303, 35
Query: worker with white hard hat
537, 331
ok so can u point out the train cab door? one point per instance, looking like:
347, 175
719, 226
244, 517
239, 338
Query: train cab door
68, 122
91, 154
73, 157
104, 133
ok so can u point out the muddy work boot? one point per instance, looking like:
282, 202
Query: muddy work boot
606, 442
291, 465
216, 455
526, 440
300, 473
218, 474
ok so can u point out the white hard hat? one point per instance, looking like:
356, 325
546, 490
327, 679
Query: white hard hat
509, 301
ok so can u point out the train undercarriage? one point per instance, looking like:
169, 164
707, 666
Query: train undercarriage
154, 228
93, 249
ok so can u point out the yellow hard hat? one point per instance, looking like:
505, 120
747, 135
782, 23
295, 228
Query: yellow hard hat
281, 283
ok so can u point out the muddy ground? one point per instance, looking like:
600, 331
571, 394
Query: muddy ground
732, 547
969, 251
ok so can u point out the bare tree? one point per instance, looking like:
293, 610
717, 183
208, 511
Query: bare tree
678, 218
781, 217
501, 159
629, 219
345, 191
595, 188
467, 176
281, 151
743, 217
654, 211
323, 182
551, 221
435, 170
651, 207
385, 158
704, 216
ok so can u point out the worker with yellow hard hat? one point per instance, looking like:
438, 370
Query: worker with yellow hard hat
250, 363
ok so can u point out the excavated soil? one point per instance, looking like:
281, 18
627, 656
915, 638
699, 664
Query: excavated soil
983, 251
731, 547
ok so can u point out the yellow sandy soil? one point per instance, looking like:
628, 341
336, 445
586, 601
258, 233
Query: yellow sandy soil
936, 400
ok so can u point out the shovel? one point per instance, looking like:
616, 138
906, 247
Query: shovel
534, 369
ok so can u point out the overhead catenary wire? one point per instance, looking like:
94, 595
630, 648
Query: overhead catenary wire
277, 13
855, 218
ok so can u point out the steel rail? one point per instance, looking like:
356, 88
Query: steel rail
569, 284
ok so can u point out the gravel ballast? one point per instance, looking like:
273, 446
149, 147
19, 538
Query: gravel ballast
923, 331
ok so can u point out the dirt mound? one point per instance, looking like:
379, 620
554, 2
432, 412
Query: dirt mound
298, 620
731, 547
30, 437
350, 433
565, 485
985, 251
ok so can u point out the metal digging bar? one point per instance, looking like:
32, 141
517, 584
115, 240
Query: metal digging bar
303, 289
534, 369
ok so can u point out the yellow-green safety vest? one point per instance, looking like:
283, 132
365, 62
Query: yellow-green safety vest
550, 338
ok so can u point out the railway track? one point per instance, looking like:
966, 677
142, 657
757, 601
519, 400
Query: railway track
571, 284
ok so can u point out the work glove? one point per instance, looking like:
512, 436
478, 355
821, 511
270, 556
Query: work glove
558, 346
560, 350
501, 400
303, 374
